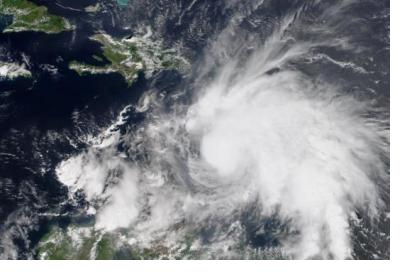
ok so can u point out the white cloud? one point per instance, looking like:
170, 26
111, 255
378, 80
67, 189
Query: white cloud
306, 152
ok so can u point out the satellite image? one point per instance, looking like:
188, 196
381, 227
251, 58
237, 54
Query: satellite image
194, 129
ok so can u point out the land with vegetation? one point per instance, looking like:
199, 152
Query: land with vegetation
28, 16
129, 57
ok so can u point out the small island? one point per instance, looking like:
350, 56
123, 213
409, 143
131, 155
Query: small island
130, 56
28, 16
93, 8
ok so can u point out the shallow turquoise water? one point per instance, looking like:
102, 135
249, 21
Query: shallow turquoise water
122, 2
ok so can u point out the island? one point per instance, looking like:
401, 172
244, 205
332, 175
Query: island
10, 71
28, 16
93, 8
130, 56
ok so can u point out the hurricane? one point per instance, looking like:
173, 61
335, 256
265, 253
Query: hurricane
259, 141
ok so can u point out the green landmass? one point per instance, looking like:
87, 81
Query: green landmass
76, 243
28, 16
85, 242
129, 57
